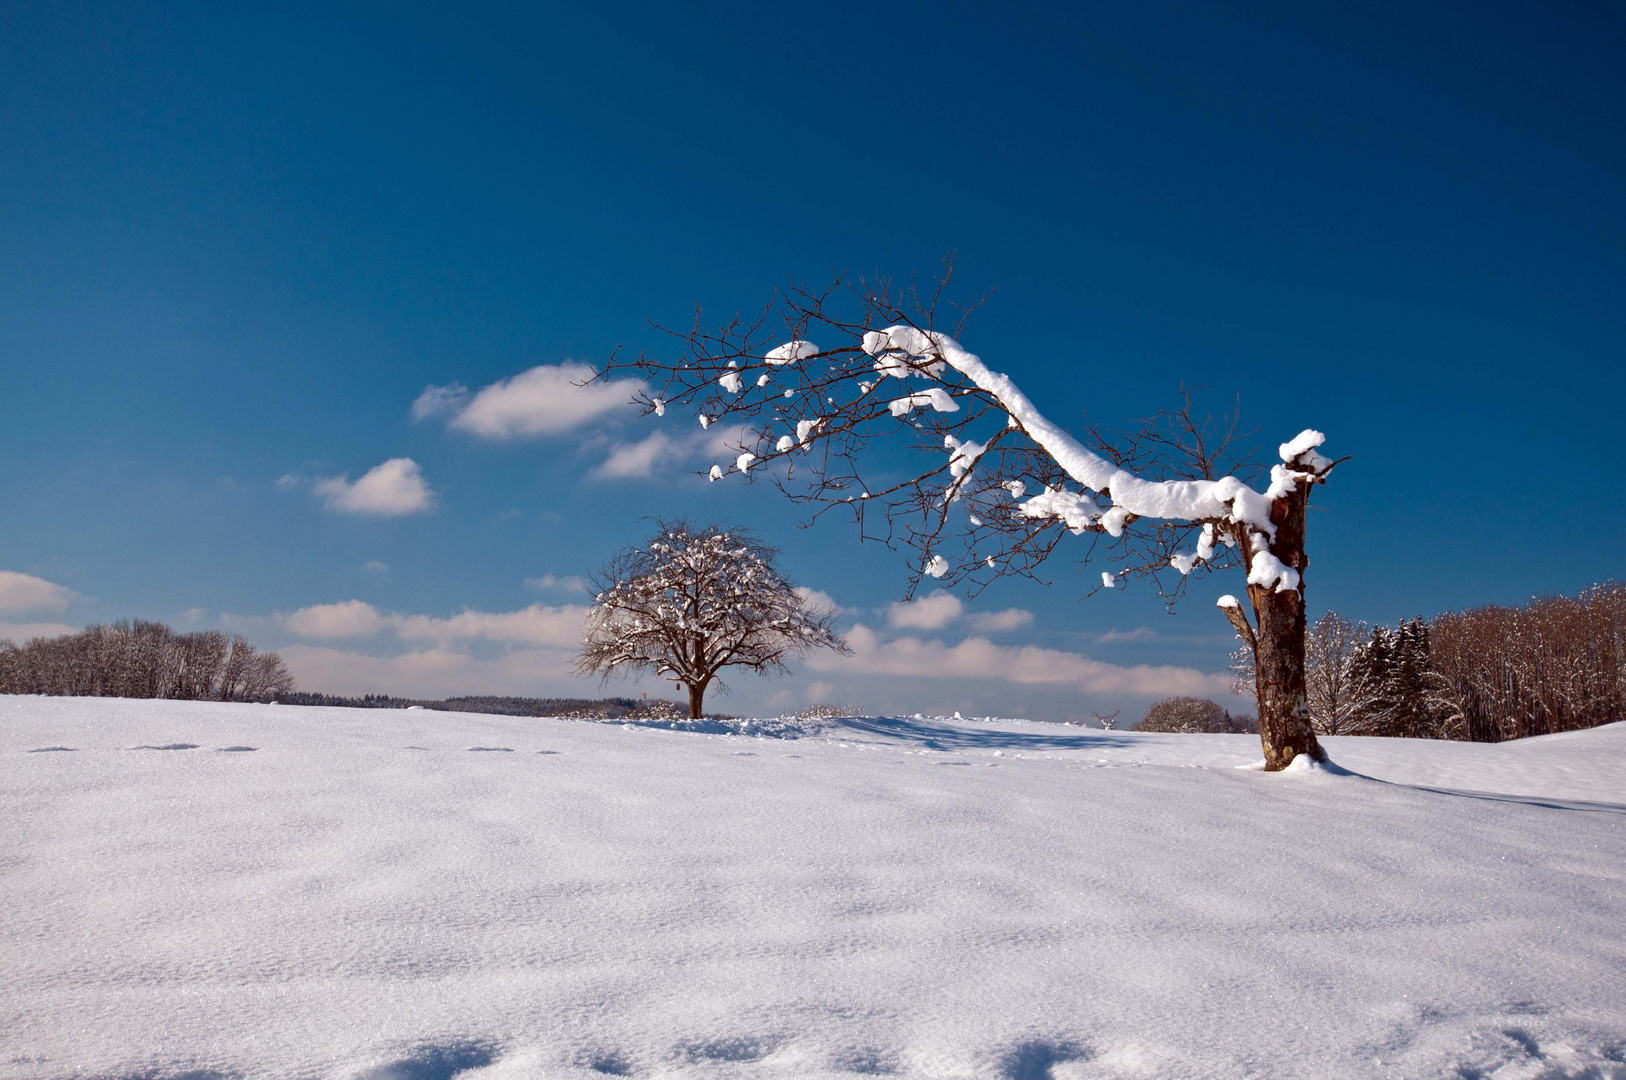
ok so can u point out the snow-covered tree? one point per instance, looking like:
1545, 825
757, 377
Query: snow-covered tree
1187, 716
1002, 484
693, 600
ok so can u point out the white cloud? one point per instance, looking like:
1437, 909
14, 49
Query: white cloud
21, 632
433, 673
24, 592
978, 657
639, 459
819, 601
1139, 633
818, 692
392, 489
533, 625
448, 400
996, 622
569, 582
350, 619
536, 625
546, 400
659, 452
376, 567
928, 613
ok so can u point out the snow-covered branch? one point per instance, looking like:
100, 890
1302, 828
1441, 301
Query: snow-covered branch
1001, 483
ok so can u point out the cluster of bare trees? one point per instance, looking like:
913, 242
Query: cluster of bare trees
1556, 664
1493, 673
1195, 716
140, 659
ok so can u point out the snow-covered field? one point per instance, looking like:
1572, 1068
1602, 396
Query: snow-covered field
207, 891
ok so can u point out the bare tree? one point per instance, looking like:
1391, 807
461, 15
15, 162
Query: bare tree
1000, 483
691, 601
1339, 699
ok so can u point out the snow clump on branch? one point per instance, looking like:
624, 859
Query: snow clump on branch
1226, 500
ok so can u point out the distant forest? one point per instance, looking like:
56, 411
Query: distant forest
1494, 673
140, 659
135, 658
592, 708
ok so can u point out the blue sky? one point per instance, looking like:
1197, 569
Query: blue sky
238, 242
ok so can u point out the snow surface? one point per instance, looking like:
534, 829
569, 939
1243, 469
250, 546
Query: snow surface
399, 895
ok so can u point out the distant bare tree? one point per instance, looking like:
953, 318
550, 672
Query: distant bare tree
1340, 701
693, 600
994, 485
1187, 716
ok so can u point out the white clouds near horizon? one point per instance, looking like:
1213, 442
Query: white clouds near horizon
939, 609
977, 657
393, 489
17, 633
25, 592
534, 625
349, 619
433, 672
549, 399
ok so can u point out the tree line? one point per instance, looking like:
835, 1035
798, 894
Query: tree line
616, 708
141, 659
1493, 673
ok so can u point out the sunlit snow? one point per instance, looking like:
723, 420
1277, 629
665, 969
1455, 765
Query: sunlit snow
208, 891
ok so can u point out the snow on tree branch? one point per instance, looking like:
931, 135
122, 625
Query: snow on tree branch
1001, 482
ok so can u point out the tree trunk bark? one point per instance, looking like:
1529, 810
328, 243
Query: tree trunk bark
697, 697
1284, 711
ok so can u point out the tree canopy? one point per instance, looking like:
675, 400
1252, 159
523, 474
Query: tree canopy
692, 600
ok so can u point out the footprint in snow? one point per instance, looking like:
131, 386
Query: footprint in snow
169, 746
494, 749
433, 1063
547, 751
1036, 1060
606, 1062
51, 750
238, 749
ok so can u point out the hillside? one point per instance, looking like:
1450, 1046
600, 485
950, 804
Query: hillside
208, 891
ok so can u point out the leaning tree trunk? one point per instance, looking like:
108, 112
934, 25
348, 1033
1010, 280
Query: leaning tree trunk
1278, 646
